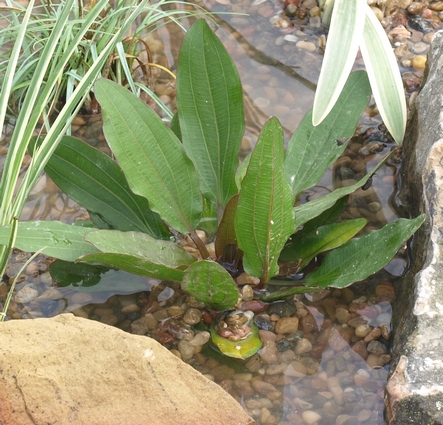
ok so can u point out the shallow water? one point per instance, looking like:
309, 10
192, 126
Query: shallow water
331, 383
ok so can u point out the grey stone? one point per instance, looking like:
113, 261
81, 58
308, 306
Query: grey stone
69, 370
415, 387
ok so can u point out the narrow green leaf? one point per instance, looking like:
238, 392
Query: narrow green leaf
97, 183
211, 284
241, 171
323, 239
264, 219
310, 210
210, 101
312, 150
359, 258
151, 156
384, 75
55, 239
347, 21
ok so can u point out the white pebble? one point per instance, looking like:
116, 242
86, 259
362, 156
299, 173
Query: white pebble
310, 417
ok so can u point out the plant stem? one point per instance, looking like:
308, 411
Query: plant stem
200, 245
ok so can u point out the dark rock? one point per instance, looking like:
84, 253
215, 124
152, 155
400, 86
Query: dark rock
414, 390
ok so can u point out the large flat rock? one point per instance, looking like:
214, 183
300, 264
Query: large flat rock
69, 370
415, 388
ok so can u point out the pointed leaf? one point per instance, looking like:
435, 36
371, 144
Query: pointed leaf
210, 101
347, 21
151, 156
323, 239
97, 183
312, 209
384, 75
312, 150
359, 258
59, 240
211, 284
264, 219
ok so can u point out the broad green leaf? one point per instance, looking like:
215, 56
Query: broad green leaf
210, 101
56, 239
211, 284
67, 273
133, 264
345, 34
323, 239
265, 219
97, 183
384, 75
312, 209
140, 245
312, 150
361, 257
151, 156
226, 231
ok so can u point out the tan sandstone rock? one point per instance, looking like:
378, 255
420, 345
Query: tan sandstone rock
69, 370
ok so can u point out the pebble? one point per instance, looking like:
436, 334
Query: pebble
192, 316
303, 346
286, 325
306, 45
27, 294
310, 417
419, 62
283, 308
200, 339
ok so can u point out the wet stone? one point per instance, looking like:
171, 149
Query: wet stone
376, 347
286, 325
283, 309
192, 316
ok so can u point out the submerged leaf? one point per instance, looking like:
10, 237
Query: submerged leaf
265, 219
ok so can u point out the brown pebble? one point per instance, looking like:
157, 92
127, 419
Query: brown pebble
192, 316
360, 348
286, 325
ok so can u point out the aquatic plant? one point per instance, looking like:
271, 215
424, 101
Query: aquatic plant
353, 25
168, 182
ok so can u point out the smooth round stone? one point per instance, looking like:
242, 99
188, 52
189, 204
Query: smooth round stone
342, 315
419, 62
130, 308
361, 331
109, 319
263, 388
416, 8
436, 5
374, 334
364, 415
309, 46
286, 325
303, 346
246, 279
200, 339
269, 352
336, 389
192, 316
310, 417
186, 350
27, 294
